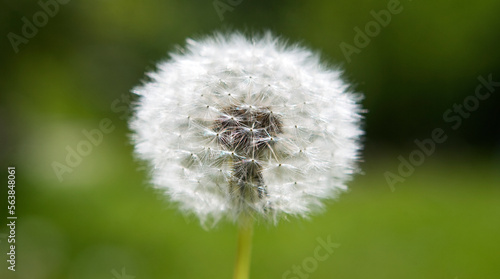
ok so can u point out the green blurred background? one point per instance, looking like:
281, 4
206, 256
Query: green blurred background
104, 221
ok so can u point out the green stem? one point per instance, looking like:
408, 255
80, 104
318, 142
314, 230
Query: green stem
242, 266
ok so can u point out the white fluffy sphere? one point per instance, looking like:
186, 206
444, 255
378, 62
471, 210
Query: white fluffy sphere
234, 126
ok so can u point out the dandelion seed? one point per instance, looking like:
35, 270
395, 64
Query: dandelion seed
236, 126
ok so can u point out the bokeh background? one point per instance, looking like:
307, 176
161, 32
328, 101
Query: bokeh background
103, 220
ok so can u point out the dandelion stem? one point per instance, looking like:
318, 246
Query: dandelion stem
242, 266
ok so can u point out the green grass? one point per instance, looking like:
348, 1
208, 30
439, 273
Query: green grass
443, 222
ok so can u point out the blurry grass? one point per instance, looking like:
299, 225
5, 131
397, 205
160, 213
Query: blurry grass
441, 223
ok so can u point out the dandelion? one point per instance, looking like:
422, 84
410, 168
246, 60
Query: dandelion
242, 129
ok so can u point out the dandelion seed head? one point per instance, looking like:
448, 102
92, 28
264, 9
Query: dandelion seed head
234, 126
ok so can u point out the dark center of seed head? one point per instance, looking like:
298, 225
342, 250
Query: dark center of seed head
250, 132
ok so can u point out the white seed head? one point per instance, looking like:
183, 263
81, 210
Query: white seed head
234, 126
